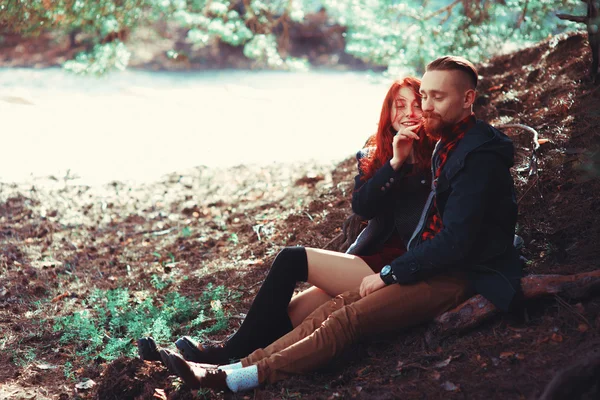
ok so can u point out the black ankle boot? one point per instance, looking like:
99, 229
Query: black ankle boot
198, 353
147, 349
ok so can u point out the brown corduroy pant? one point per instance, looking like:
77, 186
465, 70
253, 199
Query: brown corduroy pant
346, 318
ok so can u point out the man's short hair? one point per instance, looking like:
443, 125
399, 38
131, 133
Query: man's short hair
455, 63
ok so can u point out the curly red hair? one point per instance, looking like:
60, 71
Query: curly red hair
382, 139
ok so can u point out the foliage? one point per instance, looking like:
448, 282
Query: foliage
111, 319
411, 33
392, 33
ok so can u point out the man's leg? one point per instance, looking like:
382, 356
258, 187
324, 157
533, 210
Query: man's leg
390, 309
307, 327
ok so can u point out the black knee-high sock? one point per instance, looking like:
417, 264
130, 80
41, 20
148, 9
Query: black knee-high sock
268, 319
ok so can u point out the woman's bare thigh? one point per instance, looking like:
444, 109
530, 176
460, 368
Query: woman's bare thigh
335, 272
331, 273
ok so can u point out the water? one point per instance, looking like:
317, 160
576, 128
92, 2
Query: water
137, 126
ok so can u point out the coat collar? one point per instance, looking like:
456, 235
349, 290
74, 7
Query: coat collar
475, 137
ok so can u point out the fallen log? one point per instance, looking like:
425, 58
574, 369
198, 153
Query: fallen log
478, 309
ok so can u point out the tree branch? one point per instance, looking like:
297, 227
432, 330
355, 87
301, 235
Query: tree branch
573, 18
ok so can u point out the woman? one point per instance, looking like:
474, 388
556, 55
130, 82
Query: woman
398, 150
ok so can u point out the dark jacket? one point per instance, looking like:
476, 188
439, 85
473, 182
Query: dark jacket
476, 200
388, 200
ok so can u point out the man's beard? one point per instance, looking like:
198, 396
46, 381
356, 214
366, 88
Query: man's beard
434, 125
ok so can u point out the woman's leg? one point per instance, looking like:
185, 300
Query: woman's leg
268, 319
305, 302
331, 273
269, 316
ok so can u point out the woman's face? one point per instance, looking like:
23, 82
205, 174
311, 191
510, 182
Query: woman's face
406, 110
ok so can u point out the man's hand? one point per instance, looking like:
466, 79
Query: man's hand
370, 284
403, 145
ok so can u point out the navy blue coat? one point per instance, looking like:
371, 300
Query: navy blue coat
476, 199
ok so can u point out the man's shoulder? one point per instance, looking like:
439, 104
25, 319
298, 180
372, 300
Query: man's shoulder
485, 140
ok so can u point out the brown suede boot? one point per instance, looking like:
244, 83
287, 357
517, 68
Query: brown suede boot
194, 375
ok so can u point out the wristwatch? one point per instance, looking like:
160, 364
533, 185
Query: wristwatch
387, 275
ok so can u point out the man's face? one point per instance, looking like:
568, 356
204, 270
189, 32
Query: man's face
444, 101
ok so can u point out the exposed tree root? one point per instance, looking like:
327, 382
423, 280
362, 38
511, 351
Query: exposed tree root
478, 309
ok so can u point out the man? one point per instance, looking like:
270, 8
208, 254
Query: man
462, 245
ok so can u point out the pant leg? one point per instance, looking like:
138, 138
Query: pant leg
308, 326
389, 309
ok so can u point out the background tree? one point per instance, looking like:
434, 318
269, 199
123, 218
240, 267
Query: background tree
396, 34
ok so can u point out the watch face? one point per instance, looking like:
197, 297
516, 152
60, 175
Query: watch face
386, 270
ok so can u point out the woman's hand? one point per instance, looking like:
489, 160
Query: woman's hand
370, 284
402, 145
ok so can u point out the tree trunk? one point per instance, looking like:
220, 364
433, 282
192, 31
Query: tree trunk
592, 20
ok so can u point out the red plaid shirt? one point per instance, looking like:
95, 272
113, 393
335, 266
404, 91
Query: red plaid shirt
447, 144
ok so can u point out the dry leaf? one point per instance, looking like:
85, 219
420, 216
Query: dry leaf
556, 338
582, 327
435, 375
543, 141
44, 366
450, 387
85, 385
160, 394
60, 297
443, 364
507, 354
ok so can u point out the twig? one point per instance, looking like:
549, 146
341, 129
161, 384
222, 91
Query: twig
533, 167
537, 178
309, 217
152, 232
571, 309
340, 235
442, 10
573, 18
522, 18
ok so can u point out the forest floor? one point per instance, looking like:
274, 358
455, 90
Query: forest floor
86, 270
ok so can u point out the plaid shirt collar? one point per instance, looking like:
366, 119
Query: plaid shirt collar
459, 130
449, 141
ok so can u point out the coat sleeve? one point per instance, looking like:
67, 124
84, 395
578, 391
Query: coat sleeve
370, 196
462, 221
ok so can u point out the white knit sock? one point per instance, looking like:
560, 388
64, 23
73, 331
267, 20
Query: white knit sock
242, 378
230, 367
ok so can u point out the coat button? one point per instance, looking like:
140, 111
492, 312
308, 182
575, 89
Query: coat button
382, 189
413, 267
387, 184
391, 180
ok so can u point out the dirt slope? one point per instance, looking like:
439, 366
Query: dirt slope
59, 241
